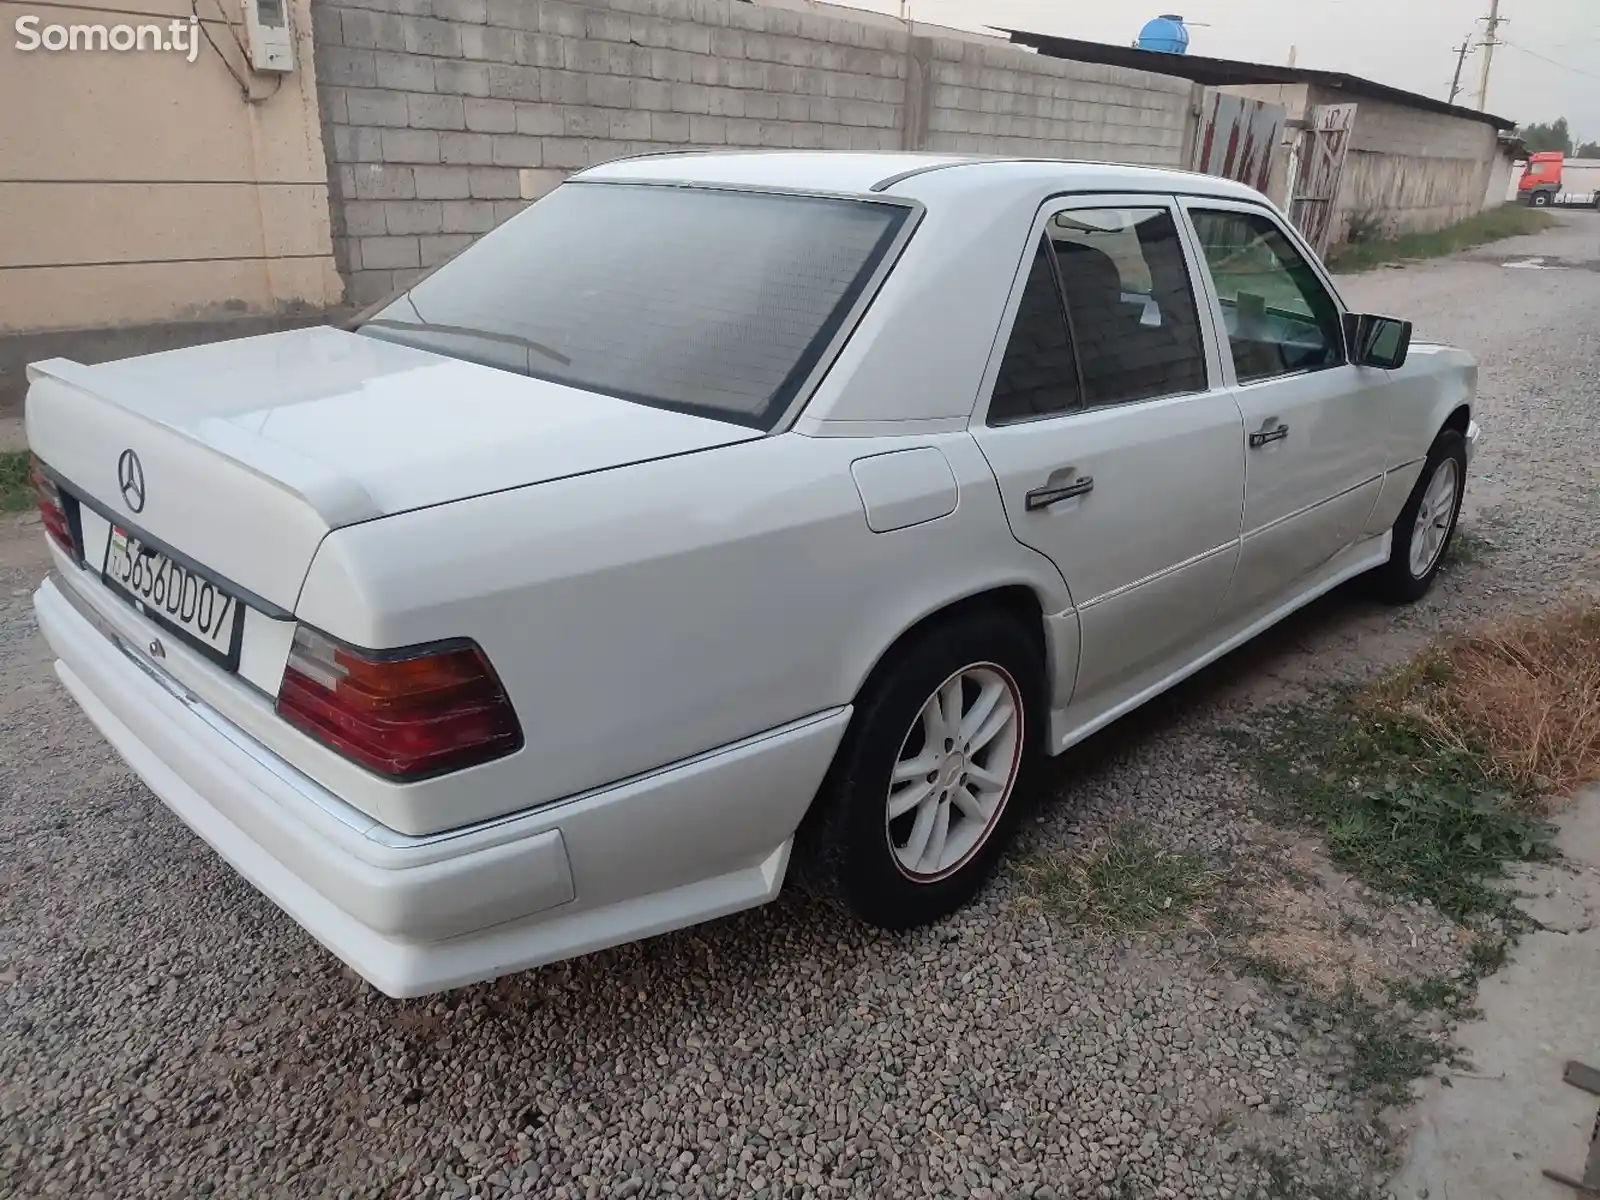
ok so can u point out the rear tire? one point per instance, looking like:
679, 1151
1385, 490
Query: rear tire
1427, 523
933, 773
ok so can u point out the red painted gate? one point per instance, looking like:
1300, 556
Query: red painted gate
1237, 138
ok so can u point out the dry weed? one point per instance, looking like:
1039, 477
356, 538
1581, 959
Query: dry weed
1522, 696
1301, 942
1308, 923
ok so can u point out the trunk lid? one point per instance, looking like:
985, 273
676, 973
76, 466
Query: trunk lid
249, 452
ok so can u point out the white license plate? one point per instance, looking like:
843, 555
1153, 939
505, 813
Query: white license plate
172, 595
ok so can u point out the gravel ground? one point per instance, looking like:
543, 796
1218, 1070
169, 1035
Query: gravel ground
166, 1031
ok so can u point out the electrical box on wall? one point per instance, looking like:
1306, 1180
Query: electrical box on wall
271, 34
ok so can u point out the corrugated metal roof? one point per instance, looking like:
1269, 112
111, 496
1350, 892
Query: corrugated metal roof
1221, 72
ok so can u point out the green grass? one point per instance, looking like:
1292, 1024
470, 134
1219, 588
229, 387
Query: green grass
16, 493
1467, 548
1286, 1178
1488, 955
1124, 883
1492, 225
1386, 1050
1388, 1055
1437, 993
1399, 809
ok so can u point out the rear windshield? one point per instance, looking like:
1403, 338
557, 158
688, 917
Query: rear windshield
717, 303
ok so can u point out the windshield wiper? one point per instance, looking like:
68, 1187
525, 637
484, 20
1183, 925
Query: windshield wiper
509, 339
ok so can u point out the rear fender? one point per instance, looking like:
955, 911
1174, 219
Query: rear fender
641, 616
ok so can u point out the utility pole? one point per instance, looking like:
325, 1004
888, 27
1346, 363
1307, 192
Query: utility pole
1490, 41
1461, 61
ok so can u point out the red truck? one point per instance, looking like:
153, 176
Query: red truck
1553, 179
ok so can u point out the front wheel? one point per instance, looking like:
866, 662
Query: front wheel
1427, 523
1541, 200
929, 783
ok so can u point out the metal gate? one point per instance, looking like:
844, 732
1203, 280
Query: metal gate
1237, 138
1317, 169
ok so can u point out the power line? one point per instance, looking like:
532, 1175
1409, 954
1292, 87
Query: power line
1551, 61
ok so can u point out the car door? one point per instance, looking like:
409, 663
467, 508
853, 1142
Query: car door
1116, 444
1313, 423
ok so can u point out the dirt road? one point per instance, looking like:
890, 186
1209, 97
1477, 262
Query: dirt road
166, 1031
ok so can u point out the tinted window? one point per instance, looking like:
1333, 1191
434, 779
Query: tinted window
711, 302
1280, 319
1037, 376
1132, 308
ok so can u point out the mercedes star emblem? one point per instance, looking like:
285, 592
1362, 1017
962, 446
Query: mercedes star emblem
130, 478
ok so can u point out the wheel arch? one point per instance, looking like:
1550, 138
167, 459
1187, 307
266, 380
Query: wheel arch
1020, 601
1023, 602
1445, 383
1449, 408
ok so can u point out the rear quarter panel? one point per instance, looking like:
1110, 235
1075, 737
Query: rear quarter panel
647, 614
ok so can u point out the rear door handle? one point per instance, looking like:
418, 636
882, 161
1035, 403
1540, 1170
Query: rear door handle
1046, 496
1267, 436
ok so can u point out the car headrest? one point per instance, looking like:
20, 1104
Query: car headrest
1090, 277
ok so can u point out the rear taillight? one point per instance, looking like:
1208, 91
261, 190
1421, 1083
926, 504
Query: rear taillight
54, 511
403, 714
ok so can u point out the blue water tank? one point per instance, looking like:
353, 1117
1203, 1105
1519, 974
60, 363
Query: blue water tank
1166, 34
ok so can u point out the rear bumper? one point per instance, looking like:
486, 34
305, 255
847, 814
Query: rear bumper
693, 841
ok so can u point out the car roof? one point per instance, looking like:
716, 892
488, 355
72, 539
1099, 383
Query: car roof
904, 174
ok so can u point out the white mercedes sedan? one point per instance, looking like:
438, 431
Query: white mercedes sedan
714, 505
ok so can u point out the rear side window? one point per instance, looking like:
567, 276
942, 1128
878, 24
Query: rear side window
717, 303
1131, 305
1038, 376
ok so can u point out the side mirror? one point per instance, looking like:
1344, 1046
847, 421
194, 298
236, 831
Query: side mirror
1377, 341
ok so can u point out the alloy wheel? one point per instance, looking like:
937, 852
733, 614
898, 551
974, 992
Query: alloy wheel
955, 772
1434, 518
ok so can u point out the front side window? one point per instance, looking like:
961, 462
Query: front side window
717, 303
1134, 322
1280, 319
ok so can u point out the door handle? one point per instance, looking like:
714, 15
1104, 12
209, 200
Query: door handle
1267, 436
1046, 496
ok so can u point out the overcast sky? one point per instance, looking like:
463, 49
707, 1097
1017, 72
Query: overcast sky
1404, 43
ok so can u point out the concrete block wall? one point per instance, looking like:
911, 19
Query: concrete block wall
998, 100
1503, 178
1413, 171
444, 117
1396, 195
1386, 128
